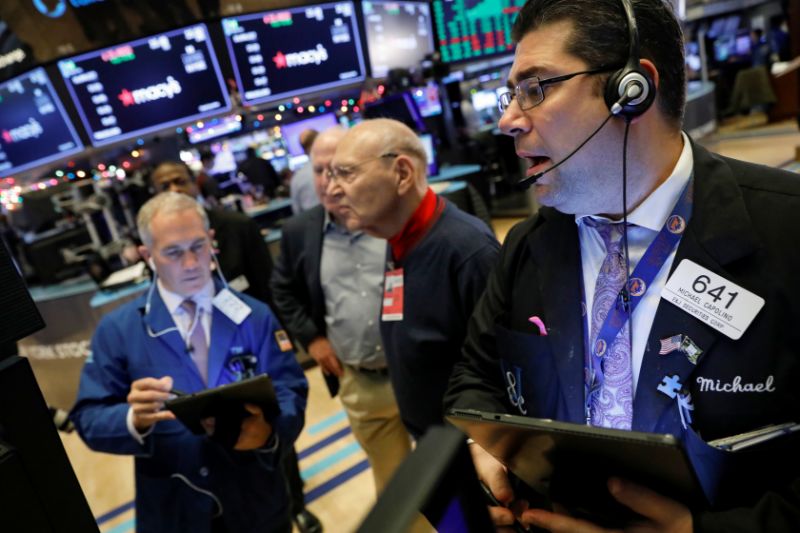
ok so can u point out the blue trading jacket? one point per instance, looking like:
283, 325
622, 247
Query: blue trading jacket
177, 472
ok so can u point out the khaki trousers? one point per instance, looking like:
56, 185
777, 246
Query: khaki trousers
371, 407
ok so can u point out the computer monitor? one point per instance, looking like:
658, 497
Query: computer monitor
743, 45
427, 98
400, 106
483, 99
212, 128
39, 491
291, 132
437, 480
399, 34
724, 48
34, 128
281, 54
45, 256
474, 29
429, 143
146, 85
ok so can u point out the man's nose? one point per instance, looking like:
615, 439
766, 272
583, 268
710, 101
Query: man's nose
332, 187
514, 120
190, 259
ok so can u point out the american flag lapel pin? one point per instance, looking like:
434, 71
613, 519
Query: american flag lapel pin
670, 344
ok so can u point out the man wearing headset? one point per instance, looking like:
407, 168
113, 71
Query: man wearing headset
189, 332
556, 336
242, 252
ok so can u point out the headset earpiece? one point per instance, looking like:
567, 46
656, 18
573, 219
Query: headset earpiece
631, 78
152, 264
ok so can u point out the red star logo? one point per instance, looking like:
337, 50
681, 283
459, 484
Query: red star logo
126, 97
7, 137
280, 60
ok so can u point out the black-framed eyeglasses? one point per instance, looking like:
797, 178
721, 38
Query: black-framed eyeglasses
530, 91
347, 174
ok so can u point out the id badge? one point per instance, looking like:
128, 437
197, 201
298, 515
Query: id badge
393, 296
231, 306
712, 299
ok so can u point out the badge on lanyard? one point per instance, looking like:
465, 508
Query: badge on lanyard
231, 306
393, 296
712, 299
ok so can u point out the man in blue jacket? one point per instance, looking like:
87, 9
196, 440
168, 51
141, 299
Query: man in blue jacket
190, 332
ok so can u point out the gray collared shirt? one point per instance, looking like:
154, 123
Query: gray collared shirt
351, 273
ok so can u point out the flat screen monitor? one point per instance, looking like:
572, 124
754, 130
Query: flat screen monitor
400, 106
474, 29
291, 132
146, 85
429, 144
484, 100
34, 129
743, 45
724, 48
212, 128
399, 34
427, 98
281, 54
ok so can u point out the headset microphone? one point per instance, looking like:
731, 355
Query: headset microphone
527, 182
633, 91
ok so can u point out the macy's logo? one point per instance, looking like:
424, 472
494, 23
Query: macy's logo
30, 130
150, 93
306, 57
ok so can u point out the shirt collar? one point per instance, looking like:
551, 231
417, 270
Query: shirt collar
330, 225
173, 300
652, 213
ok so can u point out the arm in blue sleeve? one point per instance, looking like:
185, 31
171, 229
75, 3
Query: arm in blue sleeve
101, 408
290, 385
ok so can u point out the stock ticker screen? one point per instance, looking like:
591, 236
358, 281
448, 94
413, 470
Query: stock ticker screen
34, 129
474, 29
281, 54
399, 34
146, 85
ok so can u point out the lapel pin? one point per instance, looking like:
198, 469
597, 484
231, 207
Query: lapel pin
683, 344
670, 344
692, 350
685, 408
670, 385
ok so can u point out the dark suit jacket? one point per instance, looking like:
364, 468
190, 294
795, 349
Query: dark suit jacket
744, 226
295, 281
261, 172
242, 251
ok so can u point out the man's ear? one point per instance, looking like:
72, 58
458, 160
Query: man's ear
406, 172
144, 252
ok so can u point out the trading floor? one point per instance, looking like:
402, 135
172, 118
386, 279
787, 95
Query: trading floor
339, 487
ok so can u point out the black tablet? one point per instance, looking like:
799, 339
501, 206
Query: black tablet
571, 463
225, 401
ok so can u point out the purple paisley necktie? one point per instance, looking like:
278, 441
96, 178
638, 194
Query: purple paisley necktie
612, 405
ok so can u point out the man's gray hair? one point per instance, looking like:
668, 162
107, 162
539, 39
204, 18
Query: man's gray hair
166, 202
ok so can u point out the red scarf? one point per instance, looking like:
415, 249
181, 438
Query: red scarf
425, 216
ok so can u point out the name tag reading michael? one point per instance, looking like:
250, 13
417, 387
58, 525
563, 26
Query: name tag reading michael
712, 299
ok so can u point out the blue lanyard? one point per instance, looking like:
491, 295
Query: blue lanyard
650, 264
